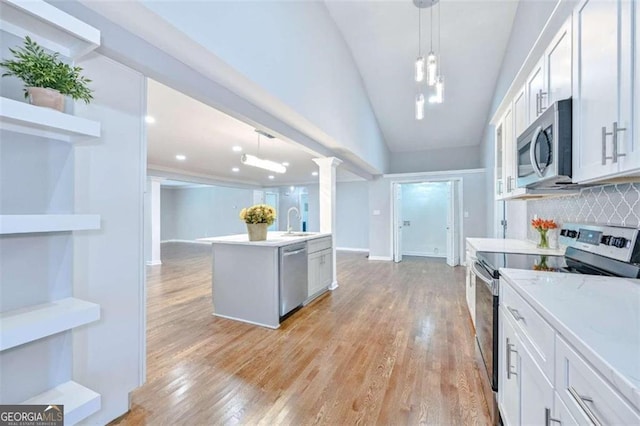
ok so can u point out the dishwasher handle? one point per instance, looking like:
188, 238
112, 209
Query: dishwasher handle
291, 253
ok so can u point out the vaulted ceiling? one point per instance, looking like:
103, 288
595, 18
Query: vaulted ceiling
383, 38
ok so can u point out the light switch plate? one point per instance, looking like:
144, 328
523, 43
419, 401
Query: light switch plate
376, 212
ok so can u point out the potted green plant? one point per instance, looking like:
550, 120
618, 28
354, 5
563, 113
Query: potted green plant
47, 79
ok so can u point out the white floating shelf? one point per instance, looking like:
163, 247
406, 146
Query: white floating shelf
35, 322
45, 122
79, 402
33, 223
48, 26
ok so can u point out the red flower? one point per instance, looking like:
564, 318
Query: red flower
543, 224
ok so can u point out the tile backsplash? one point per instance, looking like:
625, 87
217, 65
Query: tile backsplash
617, 204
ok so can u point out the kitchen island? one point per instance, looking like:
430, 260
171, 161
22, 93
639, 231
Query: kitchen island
247, 275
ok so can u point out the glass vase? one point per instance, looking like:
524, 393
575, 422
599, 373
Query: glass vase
544, 240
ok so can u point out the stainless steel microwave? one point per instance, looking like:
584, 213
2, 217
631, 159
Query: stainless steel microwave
544, 149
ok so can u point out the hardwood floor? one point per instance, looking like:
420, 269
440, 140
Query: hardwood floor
392, 345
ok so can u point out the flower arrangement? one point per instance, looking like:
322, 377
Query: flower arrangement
543, 226
260, 213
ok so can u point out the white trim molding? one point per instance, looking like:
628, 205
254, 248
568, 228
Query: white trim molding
153, 262
384, 258
362, 250
435, 173
185, 241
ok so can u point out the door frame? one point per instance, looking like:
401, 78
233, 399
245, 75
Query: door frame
458, 227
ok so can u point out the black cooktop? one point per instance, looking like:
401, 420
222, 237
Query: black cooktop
494, 261
574, 261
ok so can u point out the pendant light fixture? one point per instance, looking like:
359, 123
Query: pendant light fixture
432, 60
252, 160
419, 106
419, 74
438, 98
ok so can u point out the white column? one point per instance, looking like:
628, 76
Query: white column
153, 185
327, 192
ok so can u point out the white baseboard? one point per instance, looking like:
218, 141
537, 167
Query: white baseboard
186, 241
363, 250
153, 262
386, 258
333, 285
423, 254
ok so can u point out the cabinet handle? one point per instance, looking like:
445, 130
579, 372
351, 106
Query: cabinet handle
548, 419
582, 402
542, 95
516, 314
604, 145
513, 184
614, 133
508, 351
537, 104
499, 187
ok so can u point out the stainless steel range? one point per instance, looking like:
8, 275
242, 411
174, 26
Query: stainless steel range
591, 249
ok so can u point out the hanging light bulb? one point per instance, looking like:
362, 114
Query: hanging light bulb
419, 106
438, 97
432, 68
420, 69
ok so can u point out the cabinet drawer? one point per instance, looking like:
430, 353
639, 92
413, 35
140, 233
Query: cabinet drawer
588, 397
533, 329
318, 244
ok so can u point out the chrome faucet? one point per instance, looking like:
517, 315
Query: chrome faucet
289, 217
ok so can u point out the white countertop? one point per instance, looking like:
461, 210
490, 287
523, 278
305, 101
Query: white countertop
500, 245
599, 316
274, 239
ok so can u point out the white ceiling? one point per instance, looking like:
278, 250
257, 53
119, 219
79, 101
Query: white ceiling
205, 136
383, 38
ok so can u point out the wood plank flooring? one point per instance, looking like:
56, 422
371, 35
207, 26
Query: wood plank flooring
392, 345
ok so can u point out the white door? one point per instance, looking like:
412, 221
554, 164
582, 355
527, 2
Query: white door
453, 248
397, 222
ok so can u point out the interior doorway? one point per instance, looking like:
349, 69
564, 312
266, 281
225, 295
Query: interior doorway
272, 199
426, 219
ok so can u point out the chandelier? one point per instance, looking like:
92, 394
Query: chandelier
429, 68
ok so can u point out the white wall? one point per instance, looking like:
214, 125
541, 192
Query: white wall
380, 231
530, 18
108, 264
192, 213
295, 51
460, 158
425, 207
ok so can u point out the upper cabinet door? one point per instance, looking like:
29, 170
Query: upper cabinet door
629, 140
536, 93
558, 64
597, 30
520, 120
499, 168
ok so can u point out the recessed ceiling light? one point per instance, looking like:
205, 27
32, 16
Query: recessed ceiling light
272, 177
285, 163
181, 157
314, 174
149, 119
237, 148
235, 169
293, 188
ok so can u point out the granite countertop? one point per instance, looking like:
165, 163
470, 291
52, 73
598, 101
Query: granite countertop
599, 316
274, 239
500, 245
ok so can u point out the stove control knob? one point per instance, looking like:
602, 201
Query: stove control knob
619, 242
572, 234
606, 240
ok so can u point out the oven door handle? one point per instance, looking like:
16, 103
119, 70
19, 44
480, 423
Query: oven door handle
488, 281
532, 152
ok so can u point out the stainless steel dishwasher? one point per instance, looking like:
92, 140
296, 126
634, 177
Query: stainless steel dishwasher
293, 277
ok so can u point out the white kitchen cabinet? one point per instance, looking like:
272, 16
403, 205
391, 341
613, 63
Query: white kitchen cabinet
557, 59
587, 396
603, 145
524, 394
561, 414
499, 161
508, 371
520, 119
320, 267
536, 94
470, 287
